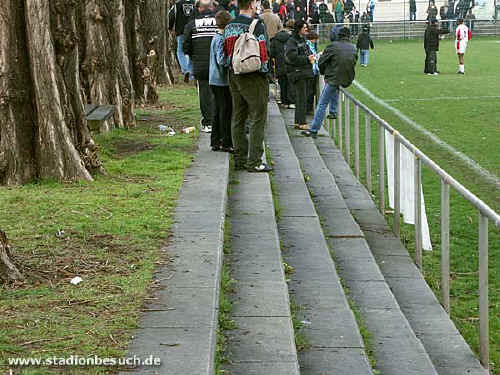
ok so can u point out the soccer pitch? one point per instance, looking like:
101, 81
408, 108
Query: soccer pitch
463, 112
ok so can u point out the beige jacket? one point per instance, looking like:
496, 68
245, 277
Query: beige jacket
272, 22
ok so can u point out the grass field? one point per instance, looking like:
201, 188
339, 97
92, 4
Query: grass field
463, 111
109, 232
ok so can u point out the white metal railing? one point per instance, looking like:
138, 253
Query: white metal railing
404, 29
485, 213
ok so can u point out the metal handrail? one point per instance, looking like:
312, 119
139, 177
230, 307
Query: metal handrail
485, 213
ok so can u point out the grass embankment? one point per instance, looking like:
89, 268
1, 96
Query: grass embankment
464, 112
109, 232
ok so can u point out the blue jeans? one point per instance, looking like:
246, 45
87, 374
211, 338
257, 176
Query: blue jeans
184, 60
413, 15
329, 96
364, 55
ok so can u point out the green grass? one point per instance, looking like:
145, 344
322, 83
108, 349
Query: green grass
472, 127
113, 229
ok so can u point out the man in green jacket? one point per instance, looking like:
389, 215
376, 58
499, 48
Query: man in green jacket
337, 64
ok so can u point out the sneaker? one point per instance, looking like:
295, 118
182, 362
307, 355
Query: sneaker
435, 73
206, 129
331, 116
291, 106
308, 133
260, 168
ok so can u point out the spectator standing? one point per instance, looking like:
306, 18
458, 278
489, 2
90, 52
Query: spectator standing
312, 39
283, 11
299, 64
451, 14
314, 13
363, 45
443, 14
370, 7
278, 57
271, 20
290, 8
219, 84
324, 14
462, 35
179, 15
276, 7
470, 20
300, 12
413, 10
431, 46
198, 35
337, 63
355, 15
338, 6
432, 11
250, 92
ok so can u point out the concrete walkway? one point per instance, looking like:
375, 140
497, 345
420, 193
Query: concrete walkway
180, 326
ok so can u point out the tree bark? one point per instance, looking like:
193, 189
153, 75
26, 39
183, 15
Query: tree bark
105, 67
8, 271
17, 112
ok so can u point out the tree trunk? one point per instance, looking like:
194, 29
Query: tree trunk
57, 137
17, 113
8, 271
105, 67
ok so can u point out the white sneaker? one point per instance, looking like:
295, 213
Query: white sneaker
291, 106
206, 129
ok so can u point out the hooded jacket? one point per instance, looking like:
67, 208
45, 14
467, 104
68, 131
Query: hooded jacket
278, 51
198, 36
296, 57
337, 63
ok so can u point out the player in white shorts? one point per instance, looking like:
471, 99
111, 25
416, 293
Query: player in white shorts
462, 35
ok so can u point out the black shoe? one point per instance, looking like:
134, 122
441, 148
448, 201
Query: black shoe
331, 116
260, 168
309, 133
186, 78
459, 72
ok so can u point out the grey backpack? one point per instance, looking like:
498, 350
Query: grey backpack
246, 53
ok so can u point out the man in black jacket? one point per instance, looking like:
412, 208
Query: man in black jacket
431, 46
277, 55
299, 60
337, 63
198, 36
178, 17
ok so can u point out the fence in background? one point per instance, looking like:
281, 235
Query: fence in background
340, 130
409, 30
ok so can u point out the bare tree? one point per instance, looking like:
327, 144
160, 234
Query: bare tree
8, 271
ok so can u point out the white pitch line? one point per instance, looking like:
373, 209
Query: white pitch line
471, 163
441, 98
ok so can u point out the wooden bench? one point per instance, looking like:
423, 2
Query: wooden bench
97, 114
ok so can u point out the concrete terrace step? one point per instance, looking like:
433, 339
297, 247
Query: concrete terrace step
263, 343
446, 347
396, 348
180, 326
337, 346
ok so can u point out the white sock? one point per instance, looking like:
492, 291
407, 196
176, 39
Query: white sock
461, 68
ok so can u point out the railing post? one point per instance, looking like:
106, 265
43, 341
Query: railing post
418, 211
484, 338
347, 133
356, 140
339, 121
368, 153
381, 168
397, 184
445, 245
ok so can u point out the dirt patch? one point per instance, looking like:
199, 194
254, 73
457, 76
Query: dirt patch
127, 147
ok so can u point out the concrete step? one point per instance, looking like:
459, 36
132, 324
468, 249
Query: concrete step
446, 347
396, 348
329, 324
263, 343
179, 326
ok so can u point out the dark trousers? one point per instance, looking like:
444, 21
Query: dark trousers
291, 91
430, 61
284, 89
250, 93
221, 128
207, 102
311, 91
300, 101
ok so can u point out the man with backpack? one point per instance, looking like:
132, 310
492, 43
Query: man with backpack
245, 46
337, 64
198, 36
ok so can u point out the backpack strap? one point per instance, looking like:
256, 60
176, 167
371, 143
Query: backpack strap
252, 26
